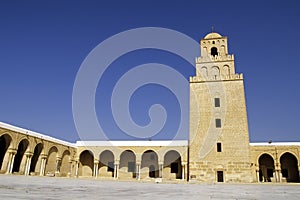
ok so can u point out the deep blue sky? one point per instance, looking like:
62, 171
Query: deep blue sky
43, 43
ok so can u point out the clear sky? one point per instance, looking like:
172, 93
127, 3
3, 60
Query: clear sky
43, 43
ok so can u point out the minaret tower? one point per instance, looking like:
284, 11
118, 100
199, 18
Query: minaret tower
219, 140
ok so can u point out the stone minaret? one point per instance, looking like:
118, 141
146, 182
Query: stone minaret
219, 139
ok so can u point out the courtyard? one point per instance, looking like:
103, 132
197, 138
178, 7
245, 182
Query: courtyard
35, 187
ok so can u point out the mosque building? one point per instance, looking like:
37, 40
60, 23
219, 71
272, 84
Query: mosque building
218, 148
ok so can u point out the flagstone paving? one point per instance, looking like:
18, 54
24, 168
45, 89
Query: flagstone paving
31, 187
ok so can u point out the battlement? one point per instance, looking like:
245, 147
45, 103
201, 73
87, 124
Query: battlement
217, 58
195, 79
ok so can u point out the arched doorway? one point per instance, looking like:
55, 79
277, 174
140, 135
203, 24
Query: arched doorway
4, 144
266, 167
64, 166
172, 165
289, 167
149, 166
36, 154
106, 165
86, 164
127, 165
20, 160
51, 161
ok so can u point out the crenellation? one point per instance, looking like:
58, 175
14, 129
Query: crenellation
195, 79
210, 58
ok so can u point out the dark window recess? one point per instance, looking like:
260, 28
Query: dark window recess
131, 166
270, 172
110, 166
218, 123
220, 176
214, 51
217, 102
219, 147
285, 173
174, 168
152, 171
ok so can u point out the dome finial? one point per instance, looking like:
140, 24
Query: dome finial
212, 29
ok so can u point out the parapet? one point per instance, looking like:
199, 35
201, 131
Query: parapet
217, 58
197, 79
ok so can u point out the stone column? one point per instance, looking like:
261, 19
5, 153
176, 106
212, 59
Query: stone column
10, 155
42, 169
28, 163
95, 174
257, 174
160, 169
138, 171
11, 159
43, 164
116, 169
12, 163
77, 168
278, 172
182, 171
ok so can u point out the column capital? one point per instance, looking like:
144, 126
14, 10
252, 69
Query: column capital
117, 162
28, 154
96, 161
13, 151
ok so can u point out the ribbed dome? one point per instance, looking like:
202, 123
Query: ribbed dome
212, 35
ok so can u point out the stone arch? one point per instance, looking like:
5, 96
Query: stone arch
289, 167
266, 167
35, 164
51, 163
127, 164
149, 165
215, 72
172, 165
5, 141
64, 166
106, 165
226, 70
20, 159
86, 163
204, 71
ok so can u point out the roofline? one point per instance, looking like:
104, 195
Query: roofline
137, 143
124, 143
275, 144
35, 134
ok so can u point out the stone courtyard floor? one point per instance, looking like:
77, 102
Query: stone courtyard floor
30, 187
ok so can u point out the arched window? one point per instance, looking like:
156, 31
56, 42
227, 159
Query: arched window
214, 51
215, 72
226, 69
203, 71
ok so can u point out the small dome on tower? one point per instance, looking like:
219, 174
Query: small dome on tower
212, 35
